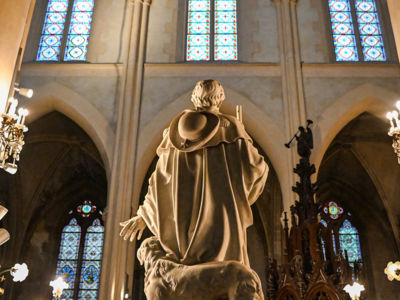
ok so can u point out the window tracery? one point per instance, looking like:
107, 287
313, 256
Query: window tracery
345, 236
81, 250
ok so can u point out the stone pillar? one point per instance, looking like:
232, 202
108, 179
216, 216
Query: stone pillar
292, 83
115, 259
15, 18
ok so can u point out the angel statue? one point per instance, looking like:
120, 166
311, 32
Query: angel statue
198, 206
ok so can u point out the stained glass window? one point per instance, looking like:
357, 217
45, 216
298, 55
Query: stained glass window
81, 251
355, 25
53, 29
333, 210
225, 38
345, 237
69, 254
55, 44
91, 261
350, 241
370, 30
211, 30
79, 30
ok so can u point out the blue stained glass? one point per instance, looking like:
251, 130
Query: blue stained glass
79, 30
91, 261
199, 28
199, 17
68, 255
226, 28
370, 30
53, 28
367, 17
57, 5
198, 37
225, 5
199, 5
323, 248
366, 6
334, 242
87, 294
343, 30
350, 241
225, 17
323, 222
198, 53
339, 5
225, 39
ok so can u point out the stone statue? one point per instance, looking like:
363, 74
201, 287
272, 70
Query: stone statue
305, 141
198, 206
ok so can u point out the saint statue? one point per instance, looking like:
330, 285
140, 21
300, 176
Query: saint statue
198, 205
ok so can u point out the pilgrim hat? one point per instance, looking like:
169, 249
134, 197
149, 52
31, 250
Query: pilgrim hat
190, 130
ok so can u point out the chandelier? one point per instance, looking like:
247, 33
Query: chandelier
12, 130
394, 130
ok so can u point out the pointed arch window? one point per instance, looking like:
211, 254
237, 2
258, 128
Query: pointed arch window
356, 30
66, 30
345, 236
81, 250
212, 30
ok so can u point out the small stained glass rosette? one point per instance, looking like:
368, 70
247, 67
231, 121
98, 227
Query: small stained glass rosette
225, 39
343, 30
79, 30
86, 208
198, 34
53, 28
333, 210
370, 30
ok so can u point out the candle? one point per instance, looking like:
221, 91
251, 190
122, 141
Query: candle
9, 102
13, 107
395, 115
24, 114
20, 115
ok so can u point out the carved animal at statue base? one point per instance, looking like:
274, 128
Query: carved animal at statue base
168, 280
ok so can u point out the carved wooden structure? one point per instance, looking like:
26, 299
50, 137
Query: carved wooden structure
312, 270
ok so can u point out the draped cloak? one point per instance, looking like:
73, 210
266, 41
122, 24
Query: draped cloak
198, 203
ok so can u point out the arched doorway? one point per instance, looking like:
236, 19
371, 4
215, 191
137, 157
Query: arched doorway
356, 175
60, 167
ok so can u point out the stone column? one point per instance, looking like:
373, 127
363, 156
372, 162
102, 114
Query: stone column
115, 267
15, 18
292, 82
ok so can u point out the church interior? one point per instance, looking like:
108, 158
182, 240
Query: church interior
108, 76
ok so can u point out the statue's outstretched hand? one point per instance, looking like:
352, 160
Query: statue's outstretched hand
132, 227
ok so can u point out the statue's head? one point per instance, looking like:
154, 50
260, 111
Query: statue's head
208, 94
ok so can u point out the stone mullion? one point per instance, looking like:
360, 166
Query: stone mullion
292, 86
115, 257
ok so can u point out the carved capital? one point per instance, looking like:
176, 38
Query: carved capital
287, 1
143, 2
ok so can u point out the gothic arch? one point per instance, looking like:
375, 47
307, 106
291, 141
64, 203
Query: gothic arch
364, 98
56, 97
320, 290
259, 125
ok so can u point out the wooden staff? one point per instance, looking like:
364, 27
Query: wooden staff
239, 113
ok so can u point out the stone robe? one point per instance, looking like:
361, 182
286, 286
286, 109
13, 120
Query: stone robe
198, 203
